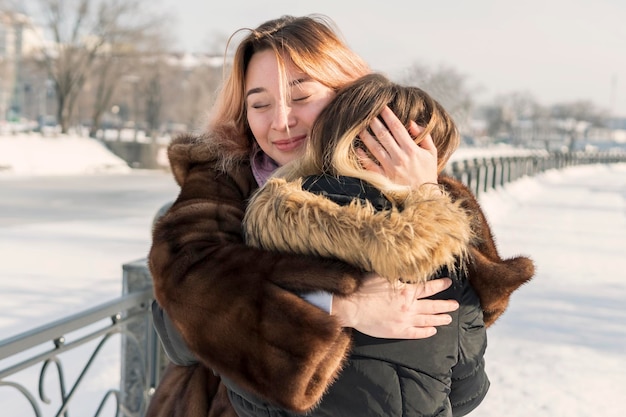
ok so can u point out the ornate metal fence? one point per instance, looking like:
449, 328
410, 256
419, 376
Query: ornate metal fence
142, 358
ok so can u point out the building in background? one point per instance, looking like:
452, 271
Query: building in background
22, 91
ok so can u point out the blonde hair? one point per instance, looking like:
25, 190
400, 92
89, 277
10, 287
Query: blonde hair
311, 43
333, 141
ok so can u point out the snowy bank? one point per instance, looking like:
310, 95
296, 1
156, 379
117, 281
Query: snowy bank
34, 155
60, 155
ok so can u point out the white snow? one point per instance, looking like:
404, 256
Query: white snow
559, 350
56, 155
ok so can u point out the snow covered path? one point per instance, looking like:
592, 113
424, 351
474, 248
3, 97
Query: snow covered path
560, 349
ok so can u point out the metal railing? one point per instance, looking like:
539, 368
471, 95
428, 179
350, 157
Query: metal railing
142, 359
483, 174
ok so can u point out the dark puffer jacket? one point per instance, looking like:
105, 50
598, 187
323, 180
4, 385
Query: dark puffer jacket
440, 376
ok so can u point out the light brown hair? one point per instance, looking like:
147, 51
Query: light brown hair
313, 45
333, 139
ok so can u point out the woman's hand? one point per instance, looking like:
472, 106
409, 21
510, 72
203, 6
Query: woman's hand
399, 311
400, 159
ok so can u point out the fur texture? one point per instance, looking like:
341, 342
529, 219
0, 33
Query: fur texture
493, 277
409, 245
204, 280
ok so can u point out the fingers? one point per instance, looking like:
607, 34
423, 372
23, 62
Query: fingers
428, 145
435, 286
419, 333
375, 144
367, 163
394, 152
390, 139
398, 311
433, 307
399, 134
415, 129
422, 327
435, 320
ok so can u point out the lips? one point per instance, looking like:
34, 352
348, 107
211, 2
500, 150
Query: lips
287, 145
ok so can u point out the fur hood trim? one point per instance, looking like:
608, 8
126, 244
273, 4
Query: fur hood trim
409, 245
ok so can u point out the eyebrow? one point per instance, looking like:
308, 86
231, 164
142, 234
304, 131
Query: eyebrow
254, 91
291, 84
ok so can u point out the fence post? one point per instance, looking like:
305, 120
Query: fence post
494, 173
456, 171
142, 358
477, 177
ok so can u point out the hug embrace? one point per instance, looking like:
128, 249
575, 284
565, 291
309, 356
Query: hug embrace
316, 261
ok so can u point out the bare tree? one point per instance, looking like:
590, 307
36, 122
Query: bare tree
447, 86
150, 89
200, 86
575, 119
7, 64
188, 90
82, 31
129, 64
6, 84
513, 116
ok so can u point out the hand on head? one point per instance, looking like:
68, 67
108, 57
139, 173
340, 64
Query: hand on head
399, 157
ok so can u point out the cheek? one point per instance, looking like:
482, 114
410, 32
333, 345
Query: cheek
257, 126
323, 103
314, 111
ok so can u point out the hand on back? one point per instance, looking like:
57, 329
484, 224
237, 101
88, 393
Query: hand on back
400, 311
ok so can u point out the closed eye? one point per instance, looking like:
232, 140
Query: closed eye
301, 98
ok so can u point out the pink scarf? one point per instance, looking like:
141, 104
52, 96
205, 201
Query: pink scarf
262, 166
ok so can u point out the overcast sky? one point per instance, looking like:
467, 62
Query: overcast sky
558, 50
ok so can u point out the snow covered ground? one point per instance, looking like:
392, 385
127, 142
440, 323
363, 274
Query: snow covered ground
70, 217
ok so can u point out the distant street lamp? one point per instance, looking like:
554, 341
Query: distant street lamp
115, 110
134, 81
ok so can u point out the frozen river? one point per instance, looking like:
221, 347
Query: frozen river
63, 240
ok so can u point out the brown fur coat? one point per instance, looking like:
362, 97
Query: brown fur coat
209, 282
494, 279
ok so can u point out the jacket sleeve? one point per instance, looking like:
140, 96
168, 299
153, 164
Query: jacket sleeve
236, 307
171, 340
469, 379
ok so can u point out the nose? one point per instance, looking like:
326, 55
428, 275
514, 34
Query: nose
283, 118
